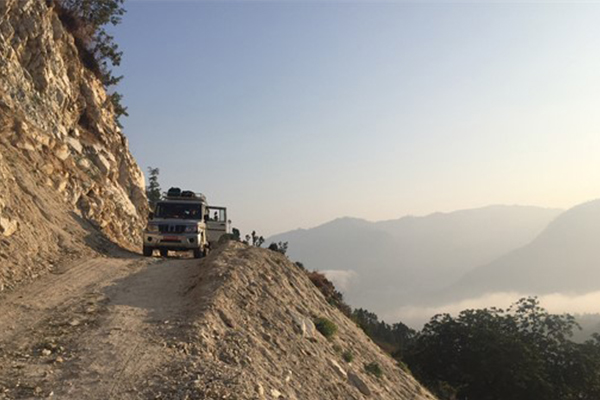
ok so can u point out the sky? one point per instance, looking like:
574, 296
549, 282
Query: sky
294, 113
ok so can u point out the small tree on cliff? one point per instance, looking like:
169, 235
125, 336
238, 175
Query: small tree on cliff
153, 191
85, 20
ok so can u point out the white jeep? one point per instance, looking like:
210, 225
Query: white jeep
182, 222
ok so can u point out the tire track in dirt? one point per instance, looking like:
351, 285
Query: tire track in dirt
99, 330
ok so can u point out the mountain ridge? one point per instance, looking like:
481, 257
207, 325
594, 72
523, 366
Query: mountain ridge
406, 259
561, 259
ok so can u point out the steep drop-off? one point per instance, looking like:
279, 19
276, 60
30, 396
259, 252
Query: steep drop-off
67, 178
256, 338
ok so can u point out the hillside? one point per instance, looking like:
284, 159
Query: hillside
564, 258
383, 265
68, 182
235, 325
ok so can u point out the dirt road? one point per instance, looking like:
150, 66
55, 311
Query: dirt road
95, 329
237, 324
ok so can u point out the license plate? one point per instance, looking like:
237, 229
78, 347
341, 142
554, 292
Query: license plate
170, 238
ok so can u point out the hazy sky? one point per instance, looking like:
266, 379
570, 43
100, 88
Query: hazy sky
295, 113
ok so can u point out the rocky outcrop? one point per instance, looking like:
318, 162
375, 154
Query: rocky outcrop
67, 178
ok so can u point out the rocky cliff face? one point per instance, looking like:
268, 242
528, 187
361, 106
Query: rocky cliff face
67, 178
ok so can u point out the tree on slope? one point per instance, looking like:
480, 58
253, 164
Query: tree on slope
153, 191
523, 353
86, 21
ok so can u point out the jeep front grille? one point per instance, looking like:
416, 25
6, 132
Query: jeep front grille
166, 228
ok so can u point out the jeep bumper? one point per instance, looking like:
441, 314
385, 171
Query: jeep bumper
179, 241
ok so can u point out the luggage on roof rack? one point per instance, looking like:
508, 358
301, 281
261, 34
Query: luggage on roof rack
188, 193
174, 192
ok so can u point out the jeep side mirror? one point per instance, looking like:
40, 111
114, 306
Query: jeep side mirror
150, 215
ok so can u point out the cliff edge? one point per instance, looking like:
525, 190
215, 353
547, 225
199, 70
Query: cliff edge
255, 337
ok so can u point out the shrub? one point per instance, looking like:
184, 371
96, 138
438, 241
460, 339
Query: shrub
326, 327
348, 356
328, 290
227, 237
280, 247
402, 365
257, 241
374, 369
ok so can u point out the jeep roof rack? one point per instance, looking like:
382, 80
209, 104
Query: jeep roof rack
178, 194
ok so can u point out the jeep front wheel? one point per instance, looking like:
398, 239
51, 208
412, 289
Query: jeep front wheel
148, 251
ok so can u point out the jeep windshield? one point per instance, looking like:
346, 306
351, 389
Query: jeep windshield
178, 210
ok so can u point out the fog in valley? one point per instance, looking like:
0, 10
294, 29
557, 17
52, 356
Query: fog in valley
412, 268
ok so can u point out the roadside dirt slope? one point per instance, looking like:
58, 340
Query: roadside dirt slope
256, 339
235, 325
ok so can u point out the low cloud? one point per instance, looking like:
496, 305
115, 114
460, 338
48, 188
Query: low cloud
556, 303
342, 279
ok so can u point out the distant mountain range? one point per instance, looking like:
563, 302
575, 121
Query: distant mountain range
383, 265
564, 258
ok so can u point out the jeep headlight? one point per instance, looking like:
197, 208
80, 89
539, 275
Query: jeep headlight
191, 229
152, 228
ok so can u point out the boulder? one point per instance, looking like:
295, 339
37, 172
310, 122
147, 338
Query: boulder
8, 226
305, 325
62, 152
359, 384
337, 368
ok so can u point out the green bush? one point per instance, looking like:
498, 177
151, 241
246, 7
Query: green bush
254, 240
326, 327
404, 367
374, 369
348, 356
280, 247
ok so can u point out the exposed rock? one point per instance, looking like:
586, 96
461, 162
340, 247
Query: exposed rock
305, 325
75, 144
337, 368
8, 227
102, 163
50, 164
62, 152
359, 383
